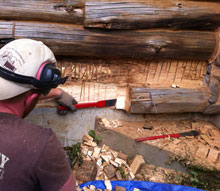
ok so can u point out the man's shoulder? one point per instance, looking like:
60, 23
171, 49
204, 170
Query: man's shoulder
21, 130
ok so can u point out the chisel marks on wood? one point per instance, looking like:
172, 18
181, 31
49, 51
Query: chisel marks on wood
138, 71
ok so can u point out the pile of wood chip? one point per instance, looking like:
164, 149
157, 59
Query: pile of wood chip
103, 163
111, 165
203, 149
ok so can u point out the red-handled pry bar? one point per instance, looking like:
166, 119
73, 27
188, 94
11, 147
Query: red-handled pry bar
103, 103
191, 133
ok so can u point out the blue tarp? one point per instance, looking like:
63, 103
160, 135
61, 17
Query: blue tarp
142, 185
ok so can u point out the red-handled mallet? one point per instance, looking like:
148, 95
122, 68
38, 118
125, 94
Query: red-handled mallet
191, 133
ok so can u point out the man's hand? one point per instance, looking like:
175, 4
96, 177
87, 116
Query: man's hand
66, 100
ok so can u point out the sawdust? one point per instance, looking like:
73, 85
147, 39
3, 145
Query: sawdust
203, 149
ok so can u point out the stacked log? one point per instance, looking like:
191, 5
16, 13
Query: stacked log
214, 85
49, 11
141, 14
125, 29
146, 100
71, 39
74, 40
117, 14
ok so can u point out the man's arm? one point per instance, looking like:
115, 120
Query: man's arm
68, 186
62, 98
54, 93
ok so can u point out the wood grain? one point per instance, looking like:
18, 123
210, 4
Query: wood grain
74, 40
70, 11
169, 100
142, 14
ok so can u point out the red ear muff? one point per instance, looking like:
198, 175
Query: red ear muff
40, 70
49, 77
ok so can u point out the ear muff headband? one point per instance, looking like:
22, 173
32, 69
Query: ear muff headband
50, 78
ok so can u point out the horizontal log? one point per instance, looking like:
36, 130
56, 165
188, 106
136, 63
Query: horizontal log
146, 100
73, 40
142, 14
6, 29
6, 32
70, 11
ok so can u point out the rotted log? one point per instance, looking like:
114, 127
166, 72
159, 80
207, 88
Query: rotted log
74, 40
142, 14
70, 11
214, 86
147, 100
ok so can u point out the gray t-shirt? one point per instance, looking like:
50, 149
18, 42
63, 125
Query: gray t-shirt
31, 157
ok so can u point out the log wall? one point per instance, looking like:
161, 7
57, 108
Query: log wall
142, 14
70, 11
117, 14
74, 40
154, 53
146, 100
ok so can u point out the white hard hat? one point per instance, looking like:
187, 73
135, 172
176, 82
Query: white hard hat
23, 56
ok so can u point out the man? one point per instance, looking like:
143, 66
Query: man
31, 157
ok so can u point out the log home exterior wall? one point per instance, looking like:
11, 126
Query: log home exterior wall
133, 49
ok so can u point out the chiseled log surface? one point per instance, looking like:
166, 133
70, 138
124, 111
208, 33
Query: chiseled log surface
88, 92
74, 40
146, 100
142, 14
70, 11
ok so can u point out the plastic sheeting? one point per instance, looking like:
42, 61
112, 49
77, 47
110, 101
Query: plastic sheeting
141, 185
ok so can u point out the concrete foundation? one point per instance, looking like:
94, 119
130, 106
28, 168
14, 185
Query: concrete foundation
71, 127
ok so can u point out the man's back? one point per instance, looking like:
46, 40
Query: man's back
31, 157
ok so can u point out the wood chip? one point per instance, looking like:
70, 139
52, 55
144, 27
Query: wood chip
119, 188
213, 155
96, 152
87, 138
202, 152
122, 156
120, 161
110, 171
108, 184
118, 175
136, 163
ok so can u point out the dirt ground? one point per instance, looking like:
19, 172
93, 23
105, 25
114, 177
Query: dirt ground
202, 150
199, 154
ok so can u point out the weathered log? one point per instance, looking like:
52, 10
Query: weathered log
214, 86
142, 14
215, 71
6, 29
74, 40
212, 109
6, 32
146, 100
70, 11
